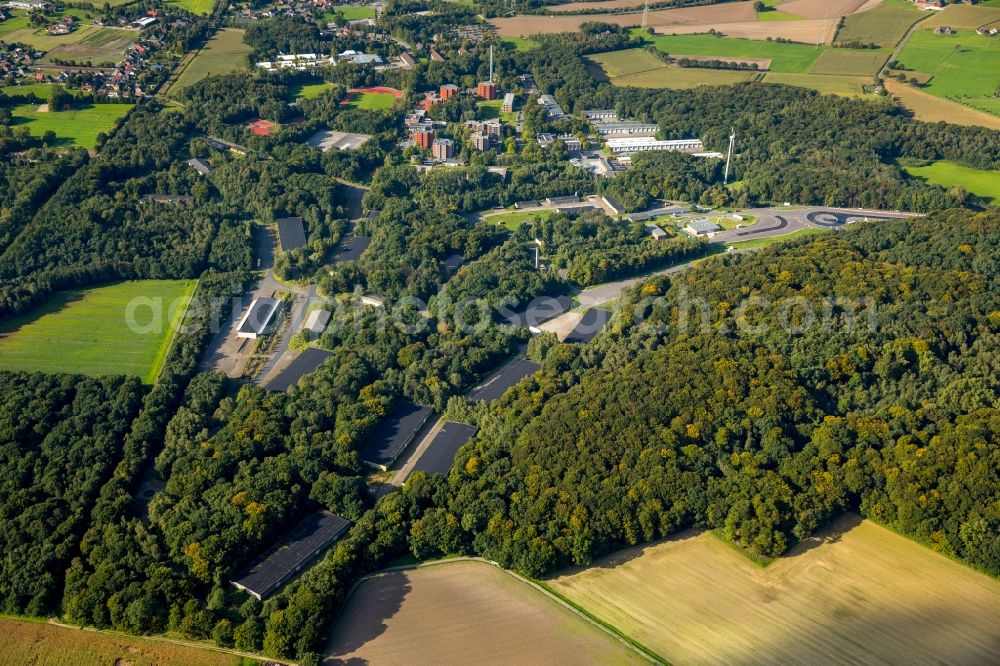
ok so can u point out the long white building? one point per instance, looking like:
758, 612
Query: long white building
644, 143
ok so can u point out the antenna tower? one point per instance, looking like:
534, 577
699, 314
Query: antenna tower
729, 155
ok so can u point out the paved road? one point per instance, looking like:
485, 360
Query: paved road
783, 221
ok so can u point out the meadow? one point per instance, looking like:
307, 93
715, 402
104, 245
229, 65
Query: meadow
884, 24
76, 127
635, 67
203, 7
514, 219
854, 593
982, 183
850, 62
793, 58
965, 67
224, 53
463, 612
930, 108
370, 101
85, 331
845, 86
520, 43
43, 644
352, 12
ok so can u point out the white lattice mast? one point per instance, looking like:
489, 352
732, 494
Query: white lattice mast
491, 63
645, 15
729, 155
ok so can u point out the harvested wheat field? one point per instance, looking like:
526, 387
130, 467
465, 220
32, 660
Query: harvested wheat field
49, 645
517, 26
464, 612
858, 593
821, 8
963, 17
932, 109
807, 31
608, 5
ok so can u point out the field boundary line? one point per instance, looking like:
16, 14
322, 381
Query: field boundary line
608, 629
162, 639
176, 323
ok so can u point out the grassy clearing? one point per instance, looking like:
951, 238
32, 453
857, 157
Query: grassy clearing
684, 77
370, 101
965, 67
203, 7
855, 592
794, 58
40, 644
224, 53
86, 331
520, 43
850, 62
77, 127
39, 90
982, 183
416, 610
308, 90
352, 12
845, 86
493, 108
513, 220
884, 24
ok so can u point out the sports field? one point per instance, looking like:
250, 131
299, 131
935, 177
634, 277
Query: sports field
965, 67
371, 101
308, 90
464, 612
856, 593
224, 53
87, 331
982, 183
794, 58
76, 127
885, 24
42, 644
203, 7
352, 12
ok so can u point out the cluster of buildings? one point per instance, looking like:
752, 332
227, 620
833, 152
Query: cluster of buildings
15, 61
303, 61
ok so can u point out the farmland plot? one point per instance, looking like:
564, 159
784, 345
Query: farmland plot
850, 62
884, 25
856, 593
460, 613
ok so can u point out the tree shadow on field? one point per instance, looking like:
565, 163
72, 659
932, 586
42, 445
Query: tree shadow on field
831, 533
625, 555
364, 617
53, 304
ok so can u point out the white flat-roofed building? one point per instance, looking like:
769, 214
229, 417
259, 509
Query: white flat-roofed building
640, 144
508, 103
316, 321
626, 128
258, 318
599, 114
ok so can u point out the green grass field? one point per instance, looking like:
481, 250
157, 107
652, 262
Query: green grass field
965, 66
224, 53
793, 58
493, 108
681, 77
77, 127
39, 90
308, 90
982, 183
372, 101
850, 62
520, 43
845, 86
87, 332
352, 12
514, 219
203, 7
884, 24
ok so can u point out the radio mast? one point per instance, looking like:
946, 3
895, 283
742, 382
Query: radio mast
729, 156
